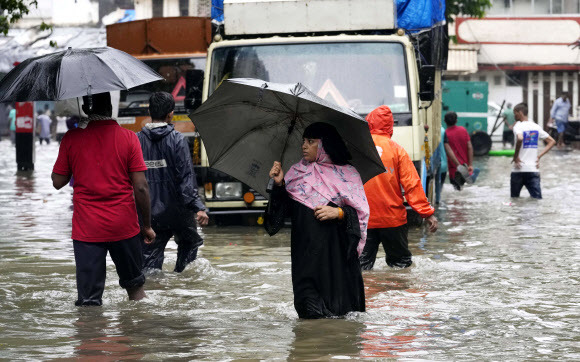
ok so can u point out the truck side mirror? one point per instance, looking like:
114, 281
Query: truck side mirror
193, 88
427, 83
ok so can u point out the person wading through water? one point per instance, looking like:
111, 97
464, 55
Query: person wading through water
108, 169
324, 196
175, 201
388, 219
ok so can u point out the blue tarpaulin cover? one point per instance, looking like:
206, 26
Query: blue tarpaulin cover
217, 11
420, 14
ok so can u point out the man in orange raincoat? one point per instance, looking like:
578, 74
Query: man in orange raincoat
388, 216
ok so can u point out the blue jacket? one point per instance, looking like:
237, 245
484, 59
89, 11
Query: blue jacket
172, 184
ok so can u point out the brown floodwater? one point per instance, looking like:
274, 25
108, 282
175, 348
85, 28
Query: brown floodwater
499, 281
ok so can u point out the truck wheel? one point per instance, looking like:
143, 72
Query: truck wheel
481, 143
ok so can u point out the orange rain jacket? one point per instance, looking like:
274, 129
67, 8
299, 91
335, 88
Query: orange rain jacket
384, 191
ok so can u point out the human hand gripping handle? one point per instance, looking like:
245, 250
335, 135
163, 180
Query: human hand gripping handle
277, 174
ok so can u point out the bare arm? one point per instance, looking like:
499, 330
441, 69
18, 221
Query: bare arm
451, 154
141, 189
59, 181
551, 143
516, 160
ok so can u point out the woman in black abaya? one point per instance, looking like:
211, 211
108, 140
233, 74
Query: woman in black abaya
324, 196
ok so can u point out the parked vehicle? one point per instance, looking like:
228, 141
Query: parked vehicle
173, 47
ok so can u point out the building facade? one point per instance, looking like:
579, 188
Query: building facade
529, 51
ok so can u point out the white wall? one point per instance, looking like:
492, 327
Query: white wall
62, 13
170, 8
75, 12
523, 41
143, 9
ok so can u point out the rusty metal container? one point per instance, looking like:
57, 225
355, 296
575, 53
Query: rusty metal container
151, 38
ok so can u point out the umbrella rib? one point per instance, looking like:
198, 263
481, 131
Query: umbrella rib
284, 103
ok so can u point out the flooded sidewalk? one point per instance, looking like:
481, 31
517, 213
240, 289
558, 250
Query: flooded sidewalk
498, 281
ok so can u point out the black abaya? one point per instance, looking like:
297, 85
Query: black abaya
326, 274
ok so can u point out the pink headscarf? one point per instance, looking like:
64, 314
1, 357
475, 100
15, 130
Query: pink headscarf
320, 182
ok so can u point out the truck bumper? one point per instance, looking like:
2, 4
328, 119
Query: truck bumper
232, 207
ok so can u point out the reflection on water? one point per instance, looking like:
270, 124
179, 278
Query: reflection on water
102, 338
326, 338
499, 280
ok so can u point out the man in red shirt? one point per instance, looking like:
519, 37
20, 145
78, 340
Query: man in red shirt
109, 174
388, 215
458, 148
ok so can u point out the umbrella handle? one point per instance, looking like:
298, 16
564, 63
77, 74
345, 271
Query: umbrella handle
270, 186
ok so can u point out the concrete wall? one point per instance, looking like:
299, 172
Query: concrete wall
62, 13
523, 41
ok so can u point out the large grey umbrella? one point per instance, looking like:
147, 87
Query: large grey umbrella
74, 73
247, 124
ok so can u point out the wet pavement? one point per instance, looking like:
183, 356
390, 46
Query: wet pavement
500, 280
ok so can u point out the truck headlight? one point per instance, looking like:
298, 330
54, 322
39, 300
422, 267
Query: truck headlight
228, 190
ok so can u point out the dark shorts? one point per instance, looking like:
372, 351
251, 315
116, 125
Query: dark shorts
531, 180
508, 136
395, 243
91, 268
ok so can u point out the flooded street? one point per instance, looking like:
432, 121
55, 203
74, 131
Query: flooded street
500, 280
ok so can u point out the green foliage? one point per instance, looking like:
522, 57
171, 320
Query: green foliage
471, 8
13, 10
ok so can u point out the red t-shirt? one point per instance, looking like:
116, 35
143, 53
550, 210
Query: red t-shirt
100, 158
457, 138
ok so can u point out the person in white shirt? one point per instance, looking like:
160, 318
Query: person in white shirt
526, 159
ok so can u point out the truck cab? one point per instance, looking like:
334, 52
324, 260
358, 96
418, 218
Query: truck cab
359, 64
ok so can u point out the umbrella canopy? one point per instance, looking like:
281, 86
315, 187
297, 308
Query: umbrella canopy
74, 73
247, 124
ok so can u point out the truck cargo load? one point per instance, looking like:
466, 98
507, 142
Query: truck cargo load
161, 36
306, 16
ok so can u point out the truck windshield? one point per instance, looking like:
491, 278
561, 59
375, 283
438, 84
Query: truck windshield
135, 101
360, 76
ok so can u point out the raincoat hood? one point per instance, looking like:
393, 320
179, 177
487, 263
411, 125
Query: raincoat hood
381, 121
157, 131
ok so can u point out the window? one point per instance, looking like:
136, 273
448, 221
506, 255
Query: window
482, 78
359, 76
514, 79
542, 6
538, 7
522, 7
135, 101
570, 7
497, 80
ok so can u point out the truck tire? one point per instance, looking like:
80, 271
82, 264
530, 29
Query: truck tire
481, 143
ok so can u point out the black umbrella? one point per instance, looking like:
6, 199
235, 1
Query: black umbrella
247, 124
74, 73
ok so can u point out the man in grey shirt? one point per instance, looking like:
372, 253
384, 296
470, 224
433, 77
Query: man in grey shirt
559, 114
43, 121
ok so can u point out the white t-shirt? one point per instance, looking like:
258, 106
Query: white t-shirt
532, 133
61, 125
